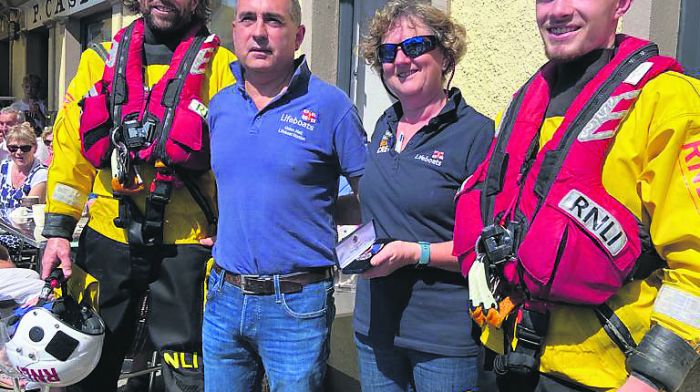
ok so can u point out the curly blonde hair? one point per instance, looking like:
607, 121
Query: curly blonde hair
450, 34
23, 133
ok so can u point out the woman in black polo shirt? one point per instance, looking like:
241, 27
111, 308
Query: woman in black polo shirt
411, 321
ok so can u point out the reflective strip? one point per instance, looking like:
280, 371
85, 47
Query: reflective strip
67, 195
638, 73
679, 305
604, 114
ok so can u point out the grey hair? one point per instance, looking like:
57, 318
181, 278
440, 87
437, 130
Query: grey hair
294, 11
11, 110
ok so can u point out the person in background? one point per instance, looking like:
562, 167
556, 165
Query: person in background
47, 141
31, 105
19, 286
270, 301
21, 174
9, 117
411, 331
585, 216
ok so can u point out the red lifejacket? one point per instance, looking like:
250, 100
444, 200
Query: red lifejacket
123, 124
166, 124
572, 242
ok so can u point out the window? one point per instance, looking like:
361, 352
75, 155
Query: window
96, 28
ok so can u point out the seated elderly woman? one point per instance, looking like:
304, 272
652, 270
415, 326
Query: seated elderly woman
412, 328
21, 174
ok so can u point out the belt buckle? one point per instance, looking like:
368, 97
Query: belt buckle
244, 285
247, 287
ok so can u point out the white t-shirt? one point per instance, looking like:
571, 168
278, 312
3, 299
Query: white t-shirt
19, 284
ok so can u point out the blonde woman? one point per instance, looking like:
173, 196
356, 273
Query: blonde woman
21, 174
411, 321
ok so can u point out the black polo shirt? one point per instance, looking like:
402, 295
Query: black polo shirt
410, 196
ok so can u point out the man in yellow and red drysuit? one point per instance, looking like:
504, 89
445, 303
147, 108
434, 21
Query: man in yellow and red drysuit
586, 215
133, 132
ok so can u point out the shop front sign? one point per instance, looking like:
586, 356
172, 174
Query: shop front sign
37, 12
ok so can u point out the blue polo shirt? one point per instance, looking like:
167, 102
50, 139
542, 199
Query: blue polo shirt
277, 172
410, 196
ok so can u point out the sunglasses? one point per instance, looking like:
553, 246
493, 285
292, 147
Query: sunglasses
23, 147
411, 47
48, 143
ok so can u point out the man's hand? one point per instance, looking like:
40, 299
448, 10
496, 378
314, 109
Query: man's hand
57, 253
634, 384
393, 256
208, 242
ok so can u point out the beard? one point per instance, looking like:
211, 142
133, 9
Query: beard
170, 27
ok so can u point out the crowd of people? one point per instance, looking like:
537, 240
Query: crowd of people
557, 249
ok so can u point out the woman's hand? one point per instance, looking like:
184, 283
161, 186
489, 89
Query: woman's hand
393, 256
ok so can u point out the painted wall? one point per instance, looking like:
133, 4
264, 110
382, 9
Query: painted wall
504, 49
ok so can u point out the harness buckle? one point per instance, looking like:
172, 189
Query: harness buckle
496, 244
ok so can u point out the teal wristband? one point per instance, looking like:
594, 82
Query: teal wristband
424, 254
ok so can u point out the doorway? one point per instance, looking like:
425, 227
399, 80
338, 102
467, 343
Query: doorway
38, 57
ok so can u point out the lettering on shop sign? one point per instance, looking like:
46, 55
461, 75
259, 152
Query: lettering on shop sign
690, 167
179, 360
597, 221
40, 375
40, 11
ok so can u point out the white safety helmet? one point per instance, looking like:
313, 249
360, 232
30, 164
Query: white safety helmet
57, 344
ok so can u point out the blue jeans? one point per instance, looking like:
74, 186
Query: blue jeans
396, 369
286, 336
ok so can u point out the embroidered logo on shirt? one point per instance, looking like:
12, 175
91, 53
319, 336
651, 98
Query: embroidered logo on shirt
434, 159
309, 116
288, 118
384, 143
689, 162
439, 155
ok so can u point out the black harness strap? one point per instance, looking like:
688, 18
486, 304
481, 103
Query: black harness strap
616, 329
147, 229
530, 331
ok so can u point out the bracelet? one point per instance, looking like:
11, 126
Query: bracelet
424, 254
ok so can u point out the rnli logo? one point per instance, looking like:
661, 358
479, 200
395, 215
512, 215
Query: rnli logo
180, 360
435, 158
597, 221
40, 375
309, 116
607, 119
384, 143
689, 161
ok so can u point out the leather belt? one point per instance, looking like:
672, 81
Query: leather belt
265, 285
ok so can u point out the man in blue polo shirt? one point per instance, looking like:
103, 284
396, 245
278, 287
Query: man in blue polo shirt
281, 138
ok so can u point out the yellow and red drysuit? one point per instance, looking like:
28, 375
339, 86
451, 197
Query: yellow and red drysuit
653, 168
72, 178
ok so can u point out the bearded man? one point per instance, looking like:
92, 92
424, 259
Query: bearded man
133, 132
